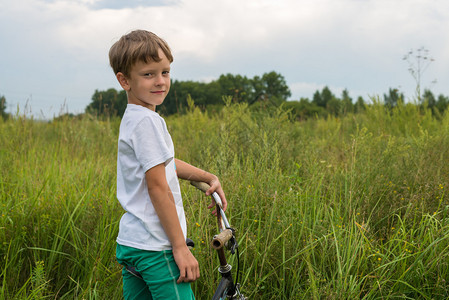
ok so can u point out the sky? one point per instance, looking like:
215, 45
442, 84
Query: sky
54, 53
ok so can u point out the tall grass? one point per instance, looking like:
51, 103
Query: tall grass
337, 208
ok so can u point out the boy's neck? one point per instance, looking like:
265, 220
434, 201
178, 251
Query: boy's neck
149, 106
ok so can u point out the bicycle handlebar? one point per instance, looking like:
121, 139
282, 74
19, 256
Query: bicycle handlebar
221, 239
202, 186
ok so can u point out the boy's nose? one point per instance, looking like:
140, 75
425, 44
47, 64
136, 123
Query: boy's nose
160, 80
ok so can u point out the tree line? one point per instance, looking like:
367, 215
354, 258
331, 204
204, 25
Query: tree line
325, 103
260, 92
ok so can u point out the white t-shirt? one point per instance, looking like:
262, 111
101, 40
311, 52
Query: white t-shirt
144, 142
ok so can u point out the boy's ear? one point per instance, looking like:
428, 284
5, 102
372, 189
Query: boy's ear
123, 81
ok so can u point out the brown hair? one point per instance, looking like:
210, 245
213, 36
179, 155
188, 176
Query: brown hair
138, 45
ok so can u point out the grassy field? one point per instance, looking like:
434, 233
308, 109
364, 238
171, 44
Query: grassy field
342, 208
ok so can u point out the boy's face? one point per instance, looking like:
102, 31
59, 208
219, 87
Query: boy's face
148, 83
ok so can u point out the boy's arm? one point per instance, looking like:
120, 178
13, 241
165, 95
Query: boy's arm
164, 204
189, 172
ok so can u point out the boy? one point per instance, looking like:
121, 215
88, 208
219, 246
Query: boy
152, 233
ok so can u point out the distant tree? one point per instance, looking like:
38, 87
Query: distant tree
333, 106
275, 87
359, 105
321, 99
326, 95
346, 102
317, 100
109, 103
442, 103
3, 112
258, 89
429, 98
392, 98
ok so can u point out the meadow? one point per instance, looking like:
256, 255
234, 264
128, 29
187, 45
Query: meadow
337, 208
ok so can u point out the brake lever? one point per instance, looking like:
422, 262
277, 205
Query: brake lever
233, 242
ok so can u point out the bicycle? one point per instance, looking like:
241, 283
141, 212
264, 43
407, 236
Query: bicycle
227, 288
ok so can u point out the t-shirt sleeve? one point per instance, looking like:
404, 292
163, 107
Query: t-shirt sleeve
149, 144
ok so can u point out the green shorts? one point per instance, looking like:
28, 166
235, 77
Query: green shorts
159, 272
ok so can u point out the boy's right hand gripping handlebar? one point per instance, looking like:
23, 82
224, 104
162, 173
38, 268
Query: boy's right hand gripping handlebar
202, 186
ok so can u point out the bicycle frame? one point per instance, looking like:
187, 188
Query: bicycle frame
227, 288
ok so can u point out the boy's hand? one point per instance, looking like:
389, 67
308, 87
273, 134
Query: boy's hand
188, 265
215, 186
189, 172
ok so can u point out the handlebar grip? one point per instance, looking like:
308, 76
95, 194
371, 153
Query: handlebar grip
220, 239
202, 186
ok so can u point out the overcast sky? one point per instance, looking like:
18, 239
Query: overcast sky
54, 53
